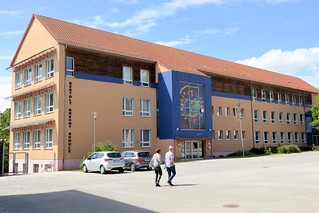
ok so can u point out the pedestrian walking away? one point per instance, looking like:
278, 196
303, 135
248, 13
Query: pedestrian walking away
157, 167
170, 165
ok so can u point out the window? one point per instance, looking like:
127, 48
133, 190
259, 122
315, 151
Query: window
27, 107
16, 140
266, 137
69, 71
243, 135
37, 105
281, 117
145, 82
302, 119
279, 97
242, 113
255, 97
273, 117
48, 138
293, 99
38, 72
18, 80
127, 75
27, 76
257, 137
300, 101
271, 96
49, 67
265, 116
26, 140
289, 137
145, 107
288, 118
36, 139
236, 135
282, 138
303, 137
145, 137
227, 112
274, 137
17, 109
286, 99
49, 102
228, 135
127, 106
263, 95
220, 134
128, 138
219, 111
295, 116
234, 112
296, 137
256, 115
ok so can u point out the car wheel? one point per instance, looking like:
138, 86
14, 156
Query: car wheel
121, 170
132, 167
102, 170
84, 168
149, 168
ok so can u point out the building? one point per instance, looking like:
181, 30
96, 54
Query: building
146, 96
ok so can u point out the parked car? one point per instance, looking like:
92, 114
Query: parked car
137, 160
104, 161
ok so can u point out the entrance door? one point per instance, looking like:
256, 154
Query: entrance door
192, 150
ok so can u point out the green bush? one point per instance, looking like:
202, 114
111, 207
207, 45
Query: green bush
282, 149
288, 149
306, 148
260, 150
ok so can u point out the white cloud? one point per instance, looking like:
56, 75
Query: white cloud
303, 63
10, 34
11, 12
185, 40
5, 91
224, 32
6, 57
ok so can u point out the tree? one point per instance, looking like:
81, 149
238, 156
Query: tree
5, 134
315, 114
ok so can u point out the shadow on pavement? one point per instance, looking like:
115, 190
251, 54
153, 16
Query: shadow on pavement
64, 201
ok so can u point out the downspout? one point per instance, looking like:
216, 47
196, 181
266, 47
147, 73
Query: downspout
63, 147
252, 113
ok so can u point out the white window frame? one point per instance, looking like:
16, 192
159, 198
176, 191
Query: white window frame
289, 137
37, 105
27, 76
243, 135
288, 118
282, 138
48, 102
48, 138
38, 70
228, 135
296, 137
256, 115
266, 137
227, 111
281, 117
236, 135
220, 134
18, 79
148, 142
242, 113
145, 112
125, 111
257, 137
49, 67
302, 119
265, 116
274, 137
295, 118
17, 109
69, 71
287, 99
271, 96
234, 112
263, 96
300, 101
273, 117
303, 137
36, 138
27, 108
26, 139
219, 111
16, 140
144, 82
127, 79
125, 141
293, 100
255, 96
279, 98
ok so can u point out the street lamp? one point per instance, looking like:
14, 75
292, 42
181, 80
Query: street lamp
241, 129
95, 117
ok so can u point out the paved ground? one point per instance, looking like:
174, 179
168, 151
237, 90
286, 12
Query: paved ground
280, 183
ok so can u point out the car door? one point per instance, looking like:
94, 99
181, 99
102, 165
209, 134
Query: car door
124, 155
97, 161
90, 162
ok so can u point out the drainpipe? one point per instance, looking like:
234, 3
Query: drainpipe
252, 113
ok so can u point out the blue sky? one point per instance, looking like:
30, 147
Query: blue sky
277, 35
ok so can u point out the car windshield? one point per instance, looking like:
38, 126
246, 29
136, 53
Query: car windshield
143, 154
114, 155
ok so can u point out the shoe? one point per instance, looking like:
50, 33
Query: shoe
170, 183
157, 185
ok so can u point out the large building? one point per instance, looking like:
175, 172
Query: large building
146, 96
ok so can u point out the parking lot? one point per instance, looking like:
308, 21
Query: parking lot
278, 183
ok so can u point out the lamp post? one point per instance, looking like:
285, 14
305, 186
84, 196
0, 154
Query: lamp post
241, 129
95, 117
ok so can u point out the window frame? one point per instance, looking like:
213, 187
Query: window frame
266, 137
18, 80
288, 118
48, 106
142, 141
27, 76
145, 83
297, 137
26, 143
282, 138
271, 96
16, 140
49, 67
228, 135
69, 72
37, 110
27, 108
17, 109
265, 116
263, 96
127, 112
48, 144
281, 114
235, 135
274, 137
257, 140
38, 72
219, 111
227, 111
303, 137
302, 119
36, 138
124, 139
289, 137
144, 113
124, 75
220, 135
256, 115
295, 118
287, 99
255, 95
273, 117
279, 98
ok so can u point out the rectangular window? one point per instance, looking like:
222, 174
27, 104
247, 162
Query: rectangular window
271, 96
18, 80
236, 135
302, 119
282, 138
288, 118
242, 113
145, 107
219, 111
69, 71
227, 112
234, 112
27, 76
296, 137
127, 106
48, 138
295, 116
26, 140
300, 101
27, 107
266, 137
303, 137
49, 67
17, 110
145, 79
38, 72
16, 140
273, 117
279, 97
37, 105
265, 117
274, 137
257, 137
287, 99
49, 102
228, 135
255, 97
289, 137
127, 75
256, 115
220, 134
293, 99
36, 136
281, 117
128, 138
263, 95
243, 135
145, 137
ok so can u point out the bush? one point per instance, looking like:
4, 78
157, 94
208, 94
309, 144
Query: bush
288, 149
282, 149
306, 148
260, 150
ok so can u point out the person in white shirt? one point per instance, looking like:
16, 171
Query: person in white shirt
157, 167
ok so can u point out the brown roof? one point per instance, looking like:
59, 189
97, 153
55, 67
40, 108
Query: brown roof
170, 58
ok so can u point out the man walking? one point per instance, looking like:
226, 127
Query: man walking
170, 165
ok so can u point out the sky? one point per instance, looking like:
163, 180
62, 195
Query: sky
276, 35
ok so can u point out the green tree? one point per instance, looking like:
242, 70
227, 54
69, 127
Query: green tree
5, 134
315, 114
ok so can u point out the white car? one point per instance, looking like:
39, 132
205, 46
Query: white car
104, 161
